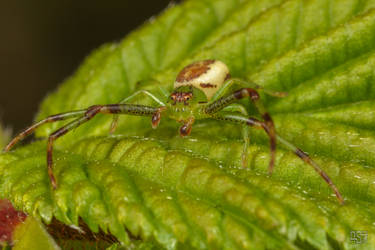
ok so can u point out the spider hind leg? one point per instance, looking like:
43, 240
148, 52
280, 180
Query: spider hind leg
219, 104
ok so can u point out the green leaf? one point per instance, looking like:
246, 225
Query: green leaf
182, 193
32, 235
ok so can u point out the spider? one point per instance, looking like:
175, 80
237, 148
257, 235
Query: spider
202, 90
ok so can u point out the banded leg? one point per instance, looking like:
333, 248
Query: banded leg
312, 163
49, 119
253, 122
254, 97
139, 110
84, 116
129, 99
243, 84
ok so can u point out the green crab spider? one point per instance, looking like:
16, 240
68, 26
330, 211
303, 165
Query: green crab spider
202, 90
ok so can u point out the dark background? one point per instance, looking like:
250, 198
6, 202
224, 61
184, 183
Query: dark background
43, 41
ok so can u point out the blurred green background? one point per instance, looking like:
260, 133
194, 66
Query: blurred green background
43, 41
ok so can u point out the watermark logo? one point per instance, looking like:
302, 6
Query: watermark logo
358, 237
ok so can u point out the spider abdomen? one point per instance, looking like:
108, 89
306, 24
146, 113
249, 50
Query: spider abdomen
207, 75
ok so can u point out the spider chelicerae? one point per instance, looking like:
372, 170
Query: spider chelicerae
202, 90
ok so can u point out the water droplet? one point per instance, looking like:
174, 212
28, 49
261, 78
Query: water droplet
77, 228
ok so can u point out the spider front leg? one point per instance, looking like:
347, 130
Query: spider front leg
229, 84
49, 119
85, 115
129, 99
253, 122
218, 104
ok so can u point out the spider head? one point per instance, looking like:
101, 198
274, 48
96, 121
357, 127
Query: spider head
186, 95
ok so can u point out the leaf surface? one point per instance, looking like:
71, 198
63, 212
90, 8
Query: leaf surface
192, 193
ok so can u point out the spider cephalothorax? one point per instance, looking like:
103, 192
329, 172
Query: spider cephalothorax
202, 90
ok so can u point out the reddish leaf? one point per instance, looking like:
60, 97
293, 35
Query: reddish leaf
9, 219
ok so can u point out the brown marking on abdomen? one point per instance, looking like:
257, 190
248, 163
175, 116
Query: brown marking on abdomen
207, 85
194, 70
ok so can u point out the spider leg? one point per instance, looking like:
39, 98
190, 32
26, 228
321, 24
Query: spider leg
185, 129
312, 163
249, 84
253, 122
164, 92
155, 120
84, 116
52, 118
219, 104
129, 99
241, 84
235, 107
